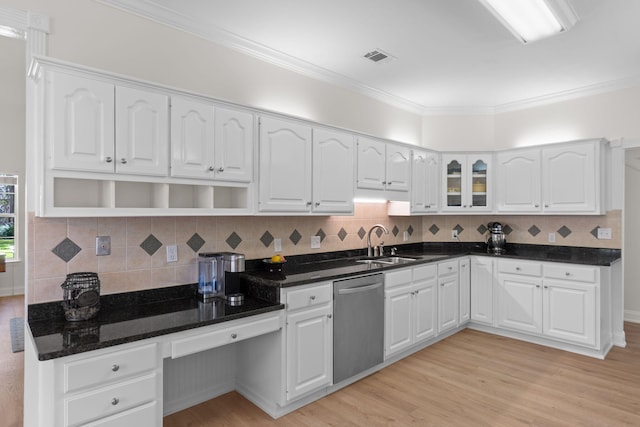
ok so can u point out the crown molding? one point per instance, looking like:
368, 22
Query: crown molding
149, 10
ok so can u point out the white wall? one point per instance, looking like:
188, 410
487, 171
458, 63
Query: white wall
458, 133
12, 143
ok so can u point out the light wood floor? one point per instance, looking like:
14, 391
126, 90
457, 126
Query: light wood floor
470, 379
11, 365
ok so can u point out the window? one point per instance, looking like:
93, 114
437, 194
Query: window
8, 217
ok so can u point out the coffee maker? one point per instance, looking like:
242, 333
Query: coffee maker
496, 240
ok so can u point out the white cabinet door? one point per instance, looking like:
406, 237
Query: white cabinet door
142, 132
425, 297
309, 351
233, 145
482, 290
425, 173
192, 133
467, 182
398, 166
371, 164
80, 123
571, 311
570, 178
447, 302
333, 171
465, 290
518, 183
398, 319
520, 303
285, 166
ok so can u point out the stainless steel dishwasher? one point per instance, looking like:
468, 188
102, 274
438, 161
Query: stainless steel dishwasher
358, 325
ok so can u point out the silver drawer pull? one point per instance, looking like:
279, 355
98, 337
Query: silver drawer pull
517, 268
115, 368
211, 169
312, 297
220, 169
567, 274
234, 336
108, 160
450, 268
115, 401
329, 316
123, 160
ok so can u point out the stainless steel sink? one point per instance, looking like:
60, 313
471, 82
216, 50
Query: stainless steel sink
387, 260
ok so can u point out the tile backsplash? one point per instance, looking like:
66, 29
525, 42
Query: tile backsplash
58, 246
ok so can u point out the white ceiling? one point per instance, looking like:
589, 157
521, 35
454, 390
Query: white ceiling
453, 56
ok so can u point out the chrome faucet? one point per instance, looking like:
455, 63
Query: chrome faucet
369, 248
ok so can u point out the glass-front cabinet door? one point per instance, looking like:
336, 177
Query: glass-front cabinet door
467, 182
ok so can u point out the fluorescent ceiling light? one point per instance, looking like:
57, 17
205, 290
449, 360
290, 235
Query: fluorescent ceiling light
531, 20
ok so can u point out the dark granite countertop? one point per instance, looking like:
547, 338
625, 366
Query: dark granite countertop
134, 316
312, 268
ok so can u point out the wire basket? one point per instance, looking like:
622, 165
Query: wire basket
81, 296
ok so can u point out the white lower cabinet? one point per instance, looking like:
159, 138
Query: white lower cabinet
482, 290
465, 291
448, 295
113, 388
309, 338
410, 307
559, 301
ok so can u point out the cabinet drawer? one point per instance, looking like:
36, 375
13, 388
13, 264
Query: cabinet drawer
142, 416
224, 336
520, 267
308, 297
110, 400
397, 277
447, 267
425, 272
112, 366
570, 272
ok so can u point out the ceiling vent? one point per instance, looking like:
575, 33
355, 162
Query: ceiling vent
379, 56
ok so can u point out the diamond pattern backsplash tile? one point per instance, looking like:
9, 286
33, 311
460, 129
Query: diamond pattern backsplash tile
295, 237
151, 244
233, 240
434, 229
321, 233
361, 233
410, 230
507, 230
533, 230
564, 231
482, 229
195, 242
66, 250
594, 232
379, 232
458, 228
342, 234
266, 239
395, 230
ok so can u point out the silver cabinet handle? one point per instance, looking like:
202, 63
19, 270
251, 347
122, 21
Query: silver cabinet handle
567, 274
211, 168
309, 203
518, 268
546, 287
115, 368
537, 286
329, 316
108, 159
234, 336
536, 205
546, 205
220, 169
123, 160
312, 297
115, 401
317, 203
450, 268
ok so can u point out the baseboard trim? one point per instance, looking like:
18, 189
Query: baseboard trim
632, 316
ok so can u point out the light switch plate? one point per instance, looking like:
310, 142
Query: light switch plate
315, 242
405, 236
172, 253
277, 245
103, 245
552, 237
604, 233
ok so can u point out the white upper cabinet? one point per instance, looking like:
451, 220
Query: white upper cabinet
142, 134
518, 184
80, 123
562, 178
383, 166
333, 171
285, 166
467, 182
425, 181
96, 126
210, 142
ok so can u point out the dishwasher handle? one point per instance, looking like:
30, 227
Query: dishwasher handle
357, 289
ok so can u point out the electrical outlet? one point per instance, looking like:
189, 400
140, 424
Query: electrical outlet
405, 236
454, 234
604, 233
103, 245
552, 237
172, 253
315, 242
277, 245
